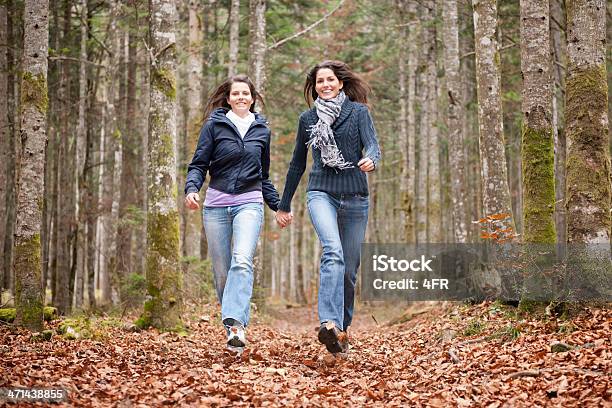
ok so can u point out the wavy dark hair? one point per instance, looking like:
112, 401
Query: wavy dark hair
353, 85
218, 97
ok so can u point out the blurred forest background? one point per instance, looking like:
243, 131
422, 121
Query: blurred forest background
424, 60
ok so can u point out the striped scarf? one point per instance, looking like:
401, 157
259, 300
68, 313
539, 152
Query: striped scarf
321, 134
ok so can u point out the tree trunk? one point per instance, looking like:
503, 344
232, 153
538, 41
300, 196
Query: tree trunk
559, 55
34, 103
142, 126
588, 157
108, 152
434, 194
80, 161
257, 47
404, 187
129, 161
234, 39
4, 130
163, 274
424, 89
62, 299
456, 116
192, 227
537, 135
496, 193
13, 58
257, 52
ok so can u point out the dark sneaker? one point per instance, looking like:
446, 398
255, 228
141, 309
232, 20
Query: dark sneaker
328, 335
236, 337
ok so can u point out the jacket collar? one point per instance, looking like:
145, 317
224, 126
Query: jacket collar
218, 115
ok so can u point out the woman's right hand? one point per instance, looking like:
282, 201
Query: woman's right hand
192, 201
283, 218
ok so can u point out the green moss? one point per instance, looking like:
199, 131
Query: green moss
588, 160
34, 91
8, 315
87, 327
29, 300
538, 185
164, 278
163, 235
164, 81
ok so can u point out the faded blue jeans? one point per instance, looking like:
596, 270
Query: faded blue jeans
340, 222
232, 234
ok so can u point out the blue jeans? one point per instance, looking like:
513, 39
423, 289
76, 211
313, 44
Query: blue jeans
232, 234
340, 222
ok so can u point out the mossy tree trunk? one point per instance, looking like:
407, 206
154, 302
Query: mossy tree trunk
34, 102
537, 151
455, 117
163, 274
496, 193
586, 118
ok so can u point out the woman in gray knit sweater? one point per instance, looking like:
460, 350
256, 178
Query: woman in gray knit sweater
344, 144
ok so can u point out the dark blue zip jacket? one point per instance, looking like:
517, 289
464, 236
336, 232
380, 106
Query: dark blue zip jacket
236, 165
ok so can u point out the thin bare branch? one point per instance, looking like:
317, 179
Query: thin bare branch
307, 29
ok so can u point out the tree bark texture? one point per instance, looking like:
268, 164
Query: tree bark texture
537, 150
81, 138
163, 275
34, 103
106, 220
257, 52
559, 55
456, 116
193, 219
496, 193
129, 161
434, 193
234, 39
423, 89
588, 157
5, 135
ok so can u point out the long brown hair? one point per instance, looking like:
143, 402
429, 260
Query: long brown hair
354, 87
218, 97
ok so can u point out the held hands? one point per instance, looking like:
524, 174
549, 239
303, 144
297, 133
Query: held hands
366, 164
192, 201
283, 218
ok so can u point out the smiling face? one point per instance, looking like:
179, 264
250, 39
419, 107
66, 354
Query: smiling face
240, 98
327, 85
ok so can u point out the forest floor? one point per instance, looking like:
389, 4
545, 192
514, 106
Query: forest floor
441, 355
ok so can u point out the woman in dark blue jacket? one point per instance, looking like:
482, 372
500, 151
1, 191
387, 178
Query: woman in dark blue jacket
345, 147
234, 148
